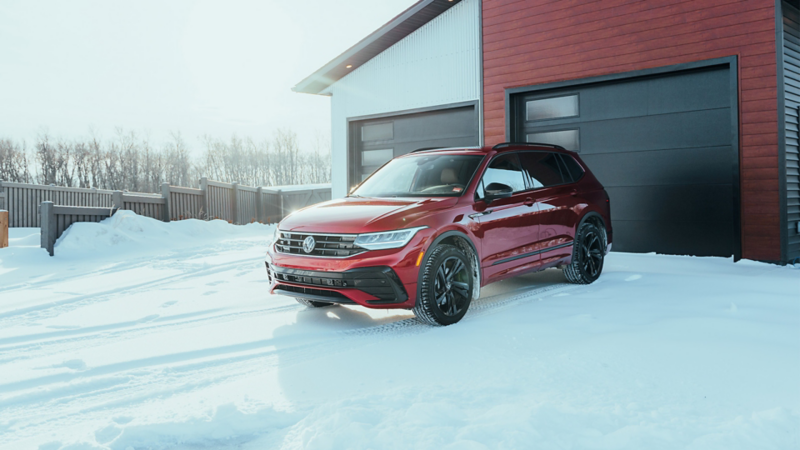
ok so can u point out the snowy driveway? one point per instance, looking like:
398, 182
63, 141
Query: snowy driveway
140, 334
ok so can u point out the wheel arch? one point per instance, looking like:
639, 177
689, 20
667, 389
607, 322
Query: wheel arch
597, 219
458, 239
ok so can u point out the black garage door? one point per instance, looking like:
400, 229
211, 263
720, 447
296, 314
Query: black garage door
375, 141
663, 146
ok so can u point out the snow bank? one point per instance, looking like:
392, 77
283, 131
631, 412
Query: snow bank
127, 231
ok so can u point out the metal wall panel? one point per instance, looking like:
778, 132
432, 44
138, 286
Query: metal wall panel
438, 64
791, 86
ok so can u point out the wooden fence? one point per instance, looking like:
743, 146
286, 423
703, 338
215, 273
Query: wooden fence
56, 219
214, 200
22, 200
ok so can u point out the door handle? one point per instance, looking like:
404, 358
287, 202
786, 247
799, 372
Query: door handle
528, 201
482, 213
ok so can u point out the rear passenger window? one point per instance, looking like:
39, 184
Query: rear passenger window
572, 167
543, 168
506, 170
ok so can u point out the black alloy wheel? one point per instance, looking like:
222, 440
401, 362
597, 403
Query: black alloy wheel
445, 288
588, 255
451, 287
592, 252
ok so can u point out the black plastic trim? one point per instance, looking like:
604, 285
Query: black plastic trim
380, 281
525, 255
526, 144
321, 298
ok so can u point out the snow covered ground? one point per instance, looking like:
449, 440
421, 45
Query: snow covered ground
144, 335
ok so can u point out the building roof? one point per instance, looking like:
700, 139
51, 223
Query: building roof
381, 39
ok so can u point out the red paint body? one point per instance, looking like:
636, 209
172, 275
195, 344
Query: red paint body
527, 222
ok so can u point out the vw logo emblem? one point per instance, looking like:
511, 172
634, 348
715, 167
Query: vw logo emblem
308, 244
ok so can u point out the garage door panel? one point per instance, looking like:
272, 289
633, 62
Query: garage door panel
672, 237
439, 125
663, 95
659, 167
410, 146
663, 146
690, 92
614, 101
708, 128
699, 202
375, 141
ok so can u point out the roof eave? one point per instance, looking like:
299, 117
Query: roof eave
369, 47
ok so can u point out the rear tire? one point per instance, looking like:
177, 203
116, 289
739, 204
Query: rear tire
588, 254
312, 303
445, 286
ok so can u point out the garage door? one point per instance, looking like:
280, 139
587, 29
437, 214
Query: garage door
664, 149
375, 141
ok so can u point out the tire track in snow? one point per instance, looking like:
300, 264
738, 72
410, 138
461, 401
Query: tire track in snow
120, 330
140, 262
142, 287
100, 390
477, 308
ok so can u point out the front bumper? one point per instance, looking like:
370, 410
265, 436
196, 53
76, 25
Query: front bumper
372, 286
374, 279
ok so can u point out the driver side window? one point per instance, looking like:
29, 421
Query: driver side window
506, 170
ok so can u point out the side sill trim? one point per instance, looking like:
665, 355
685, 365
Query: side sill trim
525, 255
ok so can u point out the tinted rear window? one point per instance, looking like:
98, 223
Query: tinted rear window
544, 168
572, 167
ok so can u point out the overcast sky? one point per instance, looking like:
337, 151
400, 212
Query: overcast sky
197, 67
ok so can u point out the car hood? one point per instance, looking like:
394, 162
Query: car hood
363, 215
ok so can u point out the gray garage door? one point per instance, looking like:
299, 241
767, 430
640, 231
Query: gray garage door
375, 141
664, 149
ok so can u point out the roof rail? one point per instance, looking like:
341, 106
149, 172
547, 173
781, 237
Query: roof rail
526, 144
425, 149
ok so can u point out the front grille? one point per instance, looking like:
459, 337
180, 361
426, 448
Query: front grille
333, 295
327, 245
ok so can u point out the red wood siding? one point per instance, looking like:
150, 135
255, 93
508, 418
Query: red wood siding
529, 42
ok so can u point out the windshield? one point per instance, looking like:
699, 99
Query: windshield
421, 176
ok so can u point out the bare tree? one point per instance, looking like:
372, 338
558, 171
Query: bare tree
128, 161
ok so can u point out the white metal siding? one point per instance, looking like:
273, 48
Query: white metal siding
438, 64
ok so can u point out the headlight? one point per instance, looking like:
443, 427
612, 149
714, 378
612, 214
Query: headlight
386, 239
276, 235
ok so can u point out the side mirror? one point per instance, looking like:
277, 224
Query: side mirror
495, 191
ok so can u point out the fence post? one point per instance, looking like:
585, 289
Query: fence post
117, 202
2, 196
204, 202
280, 202
95, 200
165, 193
234, 205
48, 226
3, 228
259, 205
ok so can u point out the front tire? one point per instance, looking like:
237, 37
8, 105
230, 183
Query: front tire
312, 303
445, 286
588, 255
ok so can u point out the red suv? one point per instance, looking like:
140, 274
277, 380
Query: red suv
429, 228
